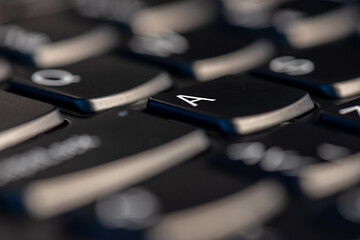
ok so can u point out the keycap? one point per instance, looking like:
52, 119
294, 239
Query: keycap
318, 161
56, 40
224, 53
92, 158
92, 85
194, 196
23, 118
344, 115
151, 16
329, 70
310, 23
233, 104
11, 10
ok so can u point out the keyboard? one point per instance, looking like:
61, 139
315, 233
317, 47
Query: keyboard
179, 120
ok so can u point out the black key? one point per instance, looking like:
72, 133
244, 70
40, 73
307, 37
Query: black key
91, 158
151, 16
344, 115
194, 196
92, 85
329, 70
309, 23
200, 54
23, 118
233, 104
56, 40
20, 9
301, 24
319, 161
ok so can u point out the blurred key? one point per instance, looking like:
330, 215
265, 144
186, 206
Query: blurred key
20, 9
204, 54
329, 70
56, 40
193, 197
301, 24
309, 23
92, 85
151, 16
319, 161
91, 158
233, 104
23, 118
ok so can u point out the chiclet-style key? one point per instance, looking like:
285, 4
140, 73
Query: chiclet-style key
92, 85
234, 104
319, 161
56, 40
330, 70
91, 158
23, 118
224, 53
194, 196
311, 23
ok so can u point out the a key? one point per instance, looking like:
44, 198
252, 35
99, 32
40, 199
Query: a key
319, 161
309, 23
301, 24
23, 118
89, 159
151, 16
233, 104
194, 196
344, 115
56, 40
329, 70
92, 85
204, 54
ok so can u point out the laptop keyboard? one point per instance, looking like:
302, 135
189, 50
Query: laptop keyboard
179, 120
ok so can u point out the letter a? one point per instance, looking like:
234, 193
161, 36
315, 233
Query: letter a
192, 100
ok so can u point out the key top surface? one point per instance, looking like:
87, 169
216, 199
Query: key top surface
234, 104
321, 160
108, 152
56, 40
227, 53
329, 70
311, 23
92, 85
23, 118
193, 196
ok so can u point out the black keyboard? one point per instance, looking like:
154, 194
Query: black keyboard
179, 120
